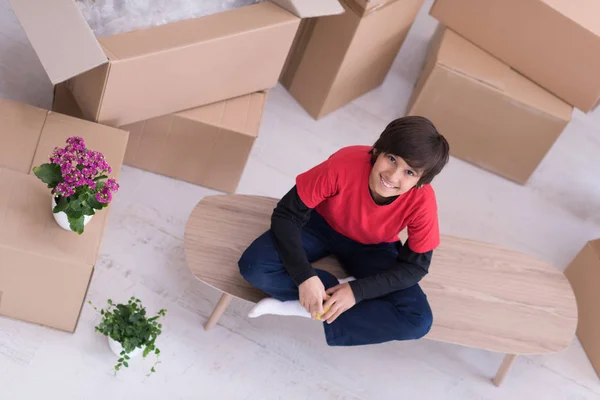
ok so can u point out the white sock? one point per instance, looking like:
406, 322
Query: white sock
278, 307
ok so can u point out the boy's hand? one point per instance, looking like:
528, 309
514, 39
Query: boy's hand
312, 295
342, 299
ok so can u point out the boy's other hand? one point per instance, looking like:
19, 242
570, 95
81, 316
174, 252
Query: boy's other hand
312, 295
342, 299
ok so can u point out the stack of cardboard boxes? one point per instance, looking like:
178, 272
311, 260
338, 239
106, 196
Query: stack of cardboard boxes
183, 99
189, 92
502, 77
45, 270
337, 58
500, 82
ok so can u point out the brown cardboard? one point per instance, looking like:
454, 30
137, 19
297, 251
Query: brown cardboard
311, 8
555, 43
491, 115
168, 68
45, 270
336, 59
208, 146
584, 275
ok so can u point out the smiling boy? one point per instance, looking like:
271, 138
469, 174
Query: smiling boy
353, 206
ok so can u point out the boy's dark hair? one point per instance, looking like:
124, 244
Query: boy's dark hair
417, 141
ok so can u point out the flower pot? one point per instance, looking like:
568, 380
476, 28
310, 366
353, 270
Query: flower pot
117, 348
63, 221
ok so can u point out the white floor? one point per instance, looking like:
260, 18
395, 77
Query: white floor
551, 217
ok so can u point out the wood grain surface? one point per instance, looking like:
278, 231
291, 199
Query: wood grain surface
482, 296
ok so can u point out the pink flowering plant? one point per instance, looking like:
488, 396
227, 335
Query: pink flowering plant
78, 179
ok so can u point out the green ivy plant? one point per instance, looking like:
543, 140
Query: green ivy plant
128, 325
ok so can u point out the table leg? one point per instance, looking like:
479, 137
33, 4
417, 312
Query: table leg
220, 308
507, 363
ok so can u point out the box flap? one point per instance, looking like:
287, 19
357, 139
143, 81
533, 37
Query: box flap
241, 114
65, 103
60, 36
109, 141
185, 33
21, 127
462, 56
583, 12
311, 8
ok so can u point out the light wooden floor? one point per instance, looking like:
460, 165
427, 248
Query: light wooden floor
276, 358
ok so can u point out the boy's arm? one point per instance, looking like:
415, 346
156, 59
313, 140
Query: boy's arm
409, 269
287, 220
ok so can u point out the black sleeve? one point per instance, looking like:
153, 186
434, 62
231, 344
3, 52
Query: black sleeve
287, 220
409, 269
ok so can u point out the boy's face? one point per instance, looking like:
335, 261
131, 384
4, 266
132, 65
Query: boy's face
392, 176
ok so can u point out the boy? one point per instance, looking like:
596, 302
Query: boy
353, 206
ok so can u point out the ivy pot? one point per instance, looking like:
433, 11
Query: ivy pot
130, 331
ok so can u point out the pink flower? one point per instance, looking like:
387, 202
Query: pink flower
76, 143
64, 189
104, 196
112, 185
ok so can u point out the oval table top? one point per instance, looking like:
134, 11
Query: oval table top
482, 295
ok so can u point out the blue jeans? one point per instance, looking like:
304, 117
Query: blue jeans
401, 315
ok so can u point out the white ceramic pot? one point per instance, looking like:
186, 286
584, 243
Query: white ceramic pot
117, 348
63, 221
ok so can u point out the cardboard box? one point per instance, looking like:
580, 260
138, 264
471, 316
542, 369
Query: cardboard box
207, 145
151, 72
584, 275
491, 115
554, 43
45, 270
336, 59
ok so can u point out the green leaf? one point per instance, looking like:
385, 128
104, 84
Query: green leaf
75, 205
100, 177
109, 301
95, 204
120, 360
76, 224
153, 370
125, 364
50, 174
87, 210
62, 204
127, 357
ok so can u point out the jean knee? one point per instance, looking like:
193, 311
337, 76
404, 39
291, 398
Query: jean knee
249, 266
423, 324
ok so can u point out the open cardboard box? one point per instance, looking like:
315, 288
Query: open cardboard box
492, 116
134, 76
555, 43
44, 269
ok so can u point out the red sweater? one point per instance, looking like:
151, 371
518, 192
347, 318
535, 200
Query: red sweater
338, 189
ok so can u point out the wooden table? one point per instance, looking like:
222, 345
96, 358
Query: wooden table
482, 296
